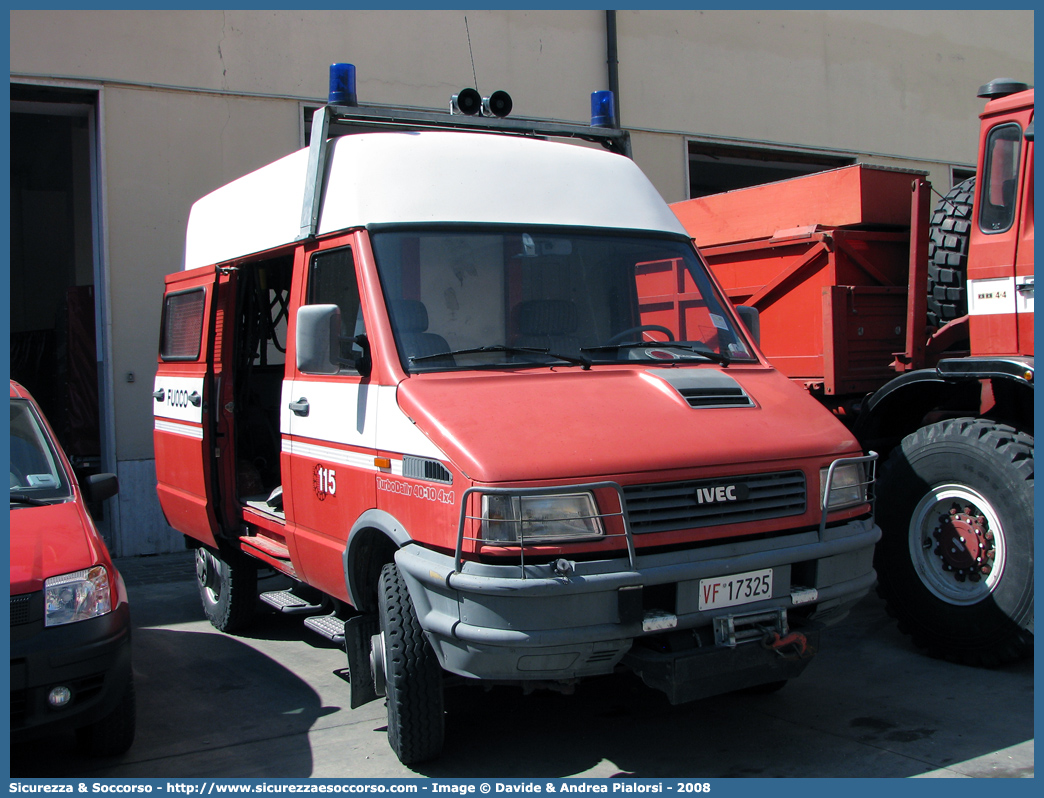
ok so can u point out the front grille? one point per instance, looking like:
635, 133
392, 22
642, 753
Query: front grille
88, 687
668, 506
20, 609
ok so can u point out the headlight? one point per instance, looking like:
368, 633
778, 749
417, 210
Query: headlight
510, 520
848, 487
77, 596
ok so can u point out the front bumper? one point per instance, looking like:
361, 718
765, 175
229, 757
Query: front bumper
92, 658
509, 622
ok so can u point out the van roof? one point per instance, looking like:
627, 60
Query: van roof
427, 177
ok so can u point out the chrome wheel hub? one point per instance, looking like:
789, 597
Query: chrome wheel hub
957, 544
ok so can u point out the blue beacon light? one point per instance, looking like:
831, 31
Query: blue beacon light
342, 85
603, 109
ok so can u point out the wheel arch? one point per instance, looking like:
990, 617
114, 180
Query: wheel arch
900, 406
956, 385
372, 542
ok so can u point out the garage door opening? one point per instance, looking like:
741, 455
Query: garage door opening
714, 168
54, 350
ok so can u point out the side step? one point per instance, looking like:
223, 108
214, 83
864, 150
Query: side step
290, 603
329, 626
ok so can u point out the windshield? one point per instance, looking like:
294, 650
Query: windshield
36, 471
473, 298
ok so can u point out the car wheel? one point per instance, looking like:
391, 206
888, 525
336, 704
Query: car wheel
113, 734
412, 675
228, 590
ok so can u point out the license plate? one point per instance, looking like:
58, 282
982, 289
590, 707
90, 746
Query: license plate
731, 591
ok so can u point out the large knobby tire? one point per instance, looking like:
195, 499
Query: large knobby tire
227, 588
950, 231
955, 561
416, 723
113, 734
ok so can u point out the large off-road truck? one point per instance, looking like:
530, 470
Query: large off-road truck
917, 330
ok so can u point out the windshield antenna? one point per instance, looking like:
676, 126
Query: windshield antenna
472, 54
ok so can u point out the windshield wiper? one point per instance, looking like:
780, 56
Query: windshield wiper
713, 357
510, 350
32, 501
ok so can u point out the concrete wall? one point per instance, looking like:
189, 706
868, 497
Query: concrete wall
182, 146
891, 82
192, 99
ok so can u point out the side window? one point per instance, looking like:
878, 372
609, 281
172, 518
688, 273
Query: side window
1000, 179
331, 281
182, 324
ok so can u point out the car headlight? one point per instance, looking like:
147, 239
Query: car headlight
847, 488
77, 596
511, 520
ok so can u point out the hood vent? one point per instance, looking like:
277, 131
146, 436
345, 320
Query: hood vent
705, 388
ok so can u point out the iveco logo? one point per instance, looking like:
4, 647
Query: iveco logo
721, 494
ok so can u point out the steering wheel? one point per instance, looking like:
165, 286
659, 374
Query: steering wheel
620, 337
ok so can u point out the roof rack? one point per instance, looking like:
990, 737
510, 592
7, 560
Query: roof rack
331, 121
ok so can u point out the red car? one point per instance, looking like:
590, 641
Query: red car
70, 621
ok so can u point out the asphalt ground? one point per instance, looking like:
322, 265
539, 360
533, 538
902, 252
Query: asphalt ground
274, 704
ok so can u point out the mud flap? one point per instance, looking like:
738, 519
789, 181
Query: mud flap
702, 672
357, 634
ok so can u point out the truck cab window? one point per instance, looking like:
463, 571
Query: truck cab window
1000, 179
332, 281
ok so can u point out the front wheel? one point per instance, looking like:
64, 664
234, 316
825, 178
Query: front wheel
411, 674
113, 734
227, 588
955, 561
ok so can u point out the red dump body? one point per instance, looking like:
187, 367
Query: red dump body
827, 261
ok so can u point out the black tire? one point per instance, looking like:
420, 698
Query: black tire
228, 590
113, 734
950, 230
967, 480
413, 677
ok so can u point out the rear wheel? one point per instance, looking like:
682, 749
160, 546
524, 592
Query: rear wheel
227, 588
955, 563
412, 677
948, 254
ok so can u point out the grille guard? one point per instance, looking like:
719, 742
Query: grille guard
458, 558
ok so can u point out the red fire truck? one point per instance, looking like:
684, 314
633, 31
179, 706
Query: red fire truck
409, 371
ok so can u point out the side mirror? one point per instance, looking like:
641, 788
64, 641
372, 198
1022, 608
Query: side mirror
318, 339
1028, 135
319, 342
100, 487
752, 320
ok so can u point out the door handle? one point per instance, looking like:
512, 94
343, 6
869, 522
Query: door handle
300, 407
159, 395
195, 399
